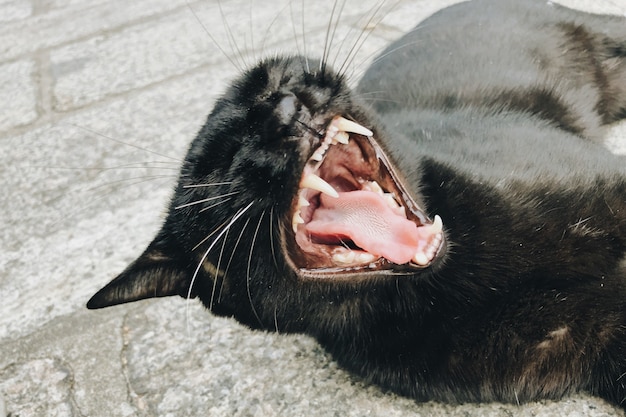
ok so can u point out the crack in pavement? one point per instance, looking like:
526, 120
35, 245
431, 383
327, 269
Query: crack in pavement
130, 393
74, 407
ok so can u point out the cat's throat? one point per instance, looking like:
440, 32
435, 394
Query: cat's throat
352, 212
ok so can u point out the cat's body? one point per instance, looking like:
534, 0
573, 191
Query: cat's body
490, 113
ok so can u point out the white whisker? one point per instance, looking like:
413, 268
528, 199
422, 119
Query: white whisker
232, 42
102, 194
306, 57
367, 58
251, 34
272, 237
215, 205
279, 14
236, 217
128, 183
385, 100
301, 51
395, 50
133, 165
204, 200
400, 47
209, 236
211, 184
362, 38
217, 270
232, 255
332, 24
126, 143
215, 42
256, 231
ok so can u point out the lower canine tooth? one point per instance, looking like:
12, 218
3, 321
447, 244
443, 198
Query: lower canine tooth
295, 221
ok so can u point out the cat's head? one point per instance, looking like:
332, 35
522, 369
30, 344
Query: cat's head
287, 187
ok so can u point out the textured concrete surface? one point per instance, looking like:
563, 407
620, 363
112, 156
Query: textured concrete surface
98, 101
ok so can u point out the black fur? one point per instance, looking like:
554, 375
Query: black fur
490, 112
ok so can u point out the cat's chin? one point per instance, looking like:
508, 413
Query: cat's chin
352, 214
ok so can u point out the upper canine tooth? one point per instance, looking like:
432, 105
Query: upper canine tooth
351, 127
314, 182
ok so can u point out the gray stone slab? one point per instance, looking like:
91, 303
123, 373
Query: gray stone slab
71, 367
59, 22
18, 94
78, 186
14, 10
87, 71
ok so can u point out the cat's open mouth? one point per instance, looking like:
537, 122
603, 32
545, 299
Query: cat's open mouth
353, 213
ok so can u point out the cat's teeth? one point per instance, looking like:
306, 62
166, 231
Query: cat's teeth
426, 255
346, 257
372, 186
364, 257
352, 257
349, 126
421, 259
317, 156
391, 202
388, 197
303, 202
431, 250
314, 182
295, 221
376, 187
297, 217
342, 137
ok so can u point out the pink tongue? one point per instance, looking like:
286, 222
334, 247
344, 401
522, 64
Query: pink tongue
365, 218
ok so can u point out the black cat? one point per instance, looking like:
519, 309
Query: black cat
461, 239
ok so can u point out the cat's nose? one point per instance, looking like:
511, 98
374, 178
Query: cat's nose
287, 108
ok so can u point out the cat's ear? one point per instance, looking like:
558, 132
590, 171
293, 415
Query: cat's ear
156, 273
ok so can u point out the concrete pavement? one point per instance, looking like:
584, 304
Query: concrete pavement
98, 102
